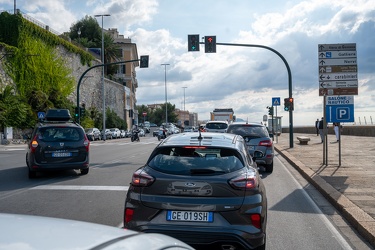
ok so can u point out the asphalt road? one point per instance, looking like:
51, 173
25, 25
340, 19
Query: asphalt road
294, 220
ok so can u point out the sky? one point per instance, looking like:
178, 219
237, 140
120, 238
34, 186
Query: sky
245, 79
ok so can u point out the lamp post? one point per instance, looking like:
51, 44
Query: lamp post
165, 83
184, 96
103, 88
79, 35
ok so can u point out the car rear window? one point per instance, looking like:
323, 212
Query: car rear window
216, 125
254, 131
51, 134
196, 161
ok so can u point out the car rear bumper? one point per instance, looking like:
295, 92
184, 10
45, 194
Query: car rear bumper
33, 166
211, 238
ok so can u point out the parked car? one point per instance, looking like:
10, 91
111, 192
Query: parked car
216, 126
188, 129
37, 232
153, 124
108, 134
57, 143
122, 133
116, 133
257, 138
203, 189
93, 134
141, 133
128, 133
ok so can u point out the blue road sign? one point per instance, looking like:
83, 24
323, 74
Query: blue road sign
41, 115
275, 101
340, 109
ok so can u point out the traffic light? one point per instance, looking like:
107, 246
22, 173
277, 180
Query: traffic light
144, 62
76, 112
288, 104
270, 110
193, 42
210, 44
82, 111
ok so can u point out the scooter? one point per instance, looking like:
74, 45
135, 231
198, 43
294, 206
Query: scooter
134, 136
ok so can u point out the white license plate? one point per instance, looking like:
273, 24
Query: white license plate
190, 216
61, 154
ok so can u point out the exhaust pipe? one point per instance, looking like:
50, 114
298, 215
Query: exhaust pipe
228, 247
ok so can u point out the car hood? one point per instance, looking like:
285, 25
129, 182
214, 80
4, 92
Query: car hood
36, 232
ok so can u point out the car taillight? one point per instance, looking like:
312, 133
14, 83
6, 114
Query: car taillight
142, 179
128, 214
244, 181
34, 144
266, 143
87, 143
256, 220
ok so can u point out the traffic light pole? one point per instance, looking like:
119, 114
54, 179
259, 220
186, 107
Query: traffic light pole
289, 79
84, 73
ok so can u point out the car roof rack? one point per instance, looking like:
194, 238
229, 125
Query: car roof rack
57, 116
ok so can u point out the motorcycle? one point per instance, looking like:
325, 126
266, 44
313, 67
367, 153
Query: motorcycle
135, 136
162, 134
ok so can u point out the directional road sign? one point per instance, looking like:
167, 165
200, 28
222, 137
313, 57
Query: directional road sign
275, 101
340, 108
338, 69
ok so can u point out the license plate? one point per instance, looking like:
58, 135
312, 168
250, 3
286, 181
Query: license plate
190, 216
61, 154
251, 147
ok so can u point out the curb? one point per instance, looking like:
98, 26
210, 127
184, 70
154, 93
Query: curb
360, 220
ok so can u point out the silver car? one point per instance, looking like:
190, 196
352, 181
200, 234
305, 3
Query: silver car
257, 138
37, 232
216, 126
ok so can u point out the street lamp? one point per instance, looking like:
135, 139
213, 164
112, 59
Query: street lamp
184, 96
103, 88
165, 83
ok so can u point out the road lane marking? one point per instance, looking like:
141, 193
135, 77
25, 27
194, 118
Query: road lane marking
81, 188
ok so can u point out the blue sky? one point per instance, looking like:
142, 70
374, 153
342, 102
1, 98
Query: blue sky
244, 79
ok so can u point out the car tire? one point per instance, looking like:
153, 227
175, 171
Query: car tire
262, 247
84, 171
269, 168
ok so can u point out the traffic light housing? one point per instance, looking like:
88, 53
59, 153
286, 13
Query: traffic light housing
288, 104
76, 112
193, 42
143, 62
270, 110
82, 111
210, 44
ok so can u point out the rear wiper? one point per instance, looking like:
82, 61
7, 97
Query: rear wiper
204, 171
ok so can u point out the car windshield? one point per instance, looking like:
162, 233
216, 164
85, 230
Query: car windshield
59, 134
213, 125
253, 131
196, 161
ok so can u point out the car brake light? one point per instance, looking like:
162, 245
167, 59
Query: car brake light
142, 179
255, 220
86, 143
244, 181
128, 214
266, 143
200, 147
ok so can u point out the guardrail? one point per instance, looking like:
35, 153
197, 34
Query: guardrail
355, 130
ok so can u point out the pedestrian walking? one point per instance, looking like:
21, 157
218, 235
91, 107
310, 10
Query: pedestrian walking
317, 126
321, 130
336, 127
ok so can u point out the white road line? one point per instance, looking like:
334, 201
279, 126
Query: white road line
81, 188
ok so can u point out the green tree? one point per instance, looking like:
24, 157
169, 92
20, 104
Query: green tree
114, 121
158, 116
91, 32
13, 111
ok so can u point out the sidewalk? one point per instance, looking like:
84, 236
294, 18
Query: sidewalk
349, 187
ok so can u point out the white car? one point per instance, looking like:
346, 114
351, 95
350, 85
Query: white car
141, 133
116, 133
36, 232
